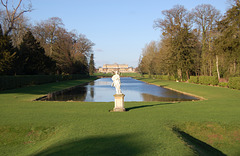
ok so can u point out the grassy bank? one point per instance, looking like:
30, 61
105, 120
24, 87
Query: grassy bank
208, 127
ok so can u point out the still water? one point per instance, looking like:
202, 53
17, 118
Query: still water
101, 91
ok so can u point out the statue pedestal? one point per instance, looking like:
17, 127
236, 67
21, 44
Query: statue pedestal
119, 103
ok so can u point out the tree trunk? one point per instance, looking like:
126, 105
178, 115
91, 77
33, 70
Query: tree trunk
180, 74
217, 67
187, 75
234, 67
210, 67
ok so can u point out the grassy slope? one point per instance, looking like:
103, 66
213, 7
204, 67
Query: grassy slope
214, 121
148, 128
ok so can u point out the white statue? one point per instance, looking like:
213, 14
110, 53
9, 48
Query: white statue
117, 83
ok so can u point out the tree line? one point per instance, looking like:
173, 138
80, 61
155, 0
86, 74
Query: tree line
197, 42
44, 48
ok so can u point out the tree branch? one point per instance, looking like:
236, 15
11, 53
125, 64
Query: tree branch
5, 5
13, 16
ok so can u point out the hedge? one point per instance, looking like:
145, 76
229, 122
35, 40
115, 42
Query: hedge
160, 77
223, 84
193, 79
11, 82
234, 82
206, 80
147, 76
164, 77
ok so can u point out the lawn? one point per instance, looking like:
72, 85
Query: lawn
205, 127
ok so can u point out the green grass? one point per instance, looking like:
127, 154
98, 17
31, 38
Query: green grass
206, 127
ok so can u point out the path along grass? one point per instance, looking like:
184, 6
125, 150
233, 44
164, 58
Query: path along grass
204, 127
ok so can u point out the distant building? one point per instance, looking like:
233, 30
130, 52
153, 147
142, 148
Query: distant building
109, 68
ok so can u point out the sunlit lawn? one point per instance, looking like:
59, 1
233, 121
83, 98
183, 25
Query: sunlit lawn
206, 127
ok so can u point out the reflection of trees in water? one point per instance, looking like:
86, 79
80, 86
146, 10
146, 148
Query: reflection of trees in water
169, 93
92, 83
177, 95
80, 94
103, 83
75, 94
149, 97
92, 92
101, 89
92, 89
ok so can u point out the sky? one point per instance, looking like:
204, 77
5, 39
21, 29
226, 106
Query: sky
120, 29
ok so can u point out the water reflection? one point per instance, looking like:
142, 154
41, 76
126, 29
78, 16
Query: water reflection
134, 90
149, 97
75, 94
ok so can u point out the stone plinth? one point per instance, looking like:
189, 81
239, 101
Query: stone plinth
119, 103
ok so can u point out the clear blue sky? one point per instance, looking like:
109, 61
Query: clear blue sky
119, 28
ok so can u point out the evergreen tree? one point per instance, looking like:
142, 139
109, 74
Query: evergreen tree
32, 58
91, 65
228, 42
6, 53
184, 52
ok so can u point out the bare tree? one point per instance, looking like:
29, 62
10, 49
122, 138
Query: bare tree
70, 51
206, 17
83, 46
62, 51
174, 19
178, 38
233, 2
12, 16
147, 61
21, 28
47, 33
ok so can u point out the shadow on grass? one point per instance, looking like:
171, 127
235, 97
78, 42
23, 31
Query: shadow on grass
199, 147
102, 145
144, 106
46, 88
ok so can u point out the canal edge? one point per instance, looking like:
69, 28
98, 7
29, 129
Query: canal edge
186, 93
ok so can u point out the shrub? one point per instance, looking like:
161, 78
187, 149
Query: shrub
160, 77
193, 79
223, 84
234, 82
164, 77
214, 80
203, 80
146, 76
208, 80
171, 78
